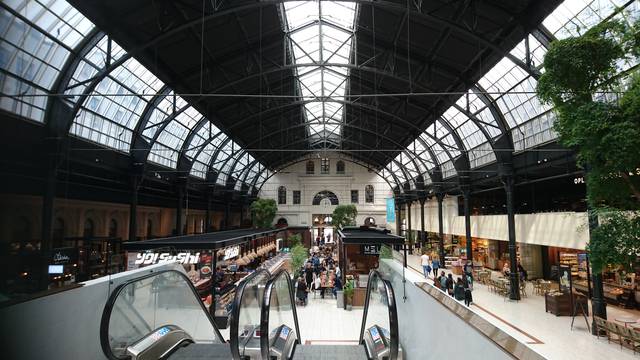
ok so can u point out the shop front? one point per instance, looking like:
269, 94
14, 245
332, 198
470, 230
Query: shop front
214, 262
359, 252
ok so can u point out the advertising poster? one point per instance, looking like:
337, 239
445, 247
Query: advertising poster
391, 210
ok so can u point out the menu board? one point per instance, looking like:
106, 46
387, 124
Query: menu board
564, 279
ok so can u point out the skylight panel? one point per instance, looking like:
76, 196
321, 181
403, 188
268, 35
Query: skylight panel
321, 33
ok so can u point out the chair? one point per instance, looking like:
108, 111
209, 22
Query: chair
537, 287
626, 336
635, 338
523, 289
601, 327
613, 329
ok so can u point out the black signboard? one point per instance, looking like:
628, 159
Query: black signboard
370, 249
63, 255
564, 279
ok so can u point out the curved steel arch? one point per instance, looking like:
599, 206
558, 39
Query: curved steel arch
68, 69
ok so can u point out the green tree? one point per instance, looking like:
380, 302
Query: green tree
264, 211
598, 115
299, 255
344, 215
605, 133
615, 241
295, 239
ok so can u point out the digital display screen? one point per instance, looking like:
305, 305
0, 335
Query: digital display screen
160, 333
284, 333
56, 269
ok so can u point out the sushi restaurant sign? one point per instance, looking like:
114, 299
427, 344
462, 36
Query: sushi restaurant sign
158, 258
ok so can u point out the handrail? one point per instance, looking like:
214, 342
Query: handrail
235, 312
108, 308
393, 313
264, 317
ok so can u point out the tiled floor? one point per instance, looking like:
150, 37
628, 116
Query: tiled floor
322, 322
549, 335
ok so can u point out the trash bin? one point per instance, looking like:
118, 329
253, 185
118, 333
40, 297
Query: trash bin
340, 299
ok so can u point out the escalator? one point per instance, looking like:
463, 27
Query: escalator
280, 332
161, 316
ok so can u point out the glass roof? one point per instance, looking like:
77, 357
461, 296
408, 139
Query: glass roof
34, 47
320, 35
37, 44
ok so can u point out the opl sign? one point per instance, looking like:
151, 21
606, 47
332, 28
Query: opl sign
158, 258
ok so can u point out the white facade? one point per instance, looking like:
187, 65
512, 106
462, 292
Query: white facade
355, 177
560, 229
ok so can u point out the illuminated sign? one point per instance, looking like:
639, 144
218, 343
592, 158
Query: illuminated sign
56, 269
159, 258
231, 252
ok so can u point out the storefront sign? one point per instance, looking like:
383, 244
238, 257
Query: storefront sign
157, 258
370, 249
391, 210
231, 252
63, 255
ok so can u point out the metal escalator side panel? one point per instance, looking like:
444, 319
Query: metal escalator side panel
239, 302
388, 296
152, 291
280, 281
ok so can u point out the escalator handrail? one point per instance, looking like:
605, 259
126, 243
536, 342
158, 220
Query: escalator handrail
235, 312
393, 314
266, 303
108, 308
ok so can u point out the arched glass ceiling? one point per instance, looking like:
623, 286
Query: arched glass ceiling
37, 38
530, 122
110, 120
42, 37
320, 36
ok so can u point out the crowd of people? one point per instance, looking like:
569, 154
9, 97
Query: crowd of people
320, 273
459, 288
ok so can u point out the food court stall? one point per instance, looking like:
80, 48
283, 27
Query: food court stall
214, 262
359, 250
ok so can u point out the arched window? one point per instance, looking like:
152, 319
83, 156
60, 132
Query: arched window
340, 167
89, 229
149, 229
113, 228
282, 195
310, 167
368, 194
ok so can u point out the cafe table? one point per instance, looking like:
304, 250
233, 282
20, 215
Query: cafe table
626, 320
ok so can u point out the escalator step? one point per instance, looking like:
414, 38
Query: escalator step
326, 352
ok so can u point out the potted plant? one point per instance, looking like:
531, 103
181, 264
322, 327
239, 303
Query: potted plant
348, 295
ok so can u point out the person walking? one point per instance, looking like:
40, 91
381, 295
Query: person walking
435, 265
468, 298
426, 268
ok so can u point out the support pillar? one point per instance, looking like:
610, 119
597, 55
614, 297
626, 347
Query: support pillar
227, 211
179, 211
466, 195
423, 236
409, 237
133, 209
207, 214
514, 277
598, 303
440, 197
46, 241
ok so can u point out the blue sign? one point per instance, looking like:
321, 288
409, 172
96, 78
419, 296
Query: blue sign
391, 210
